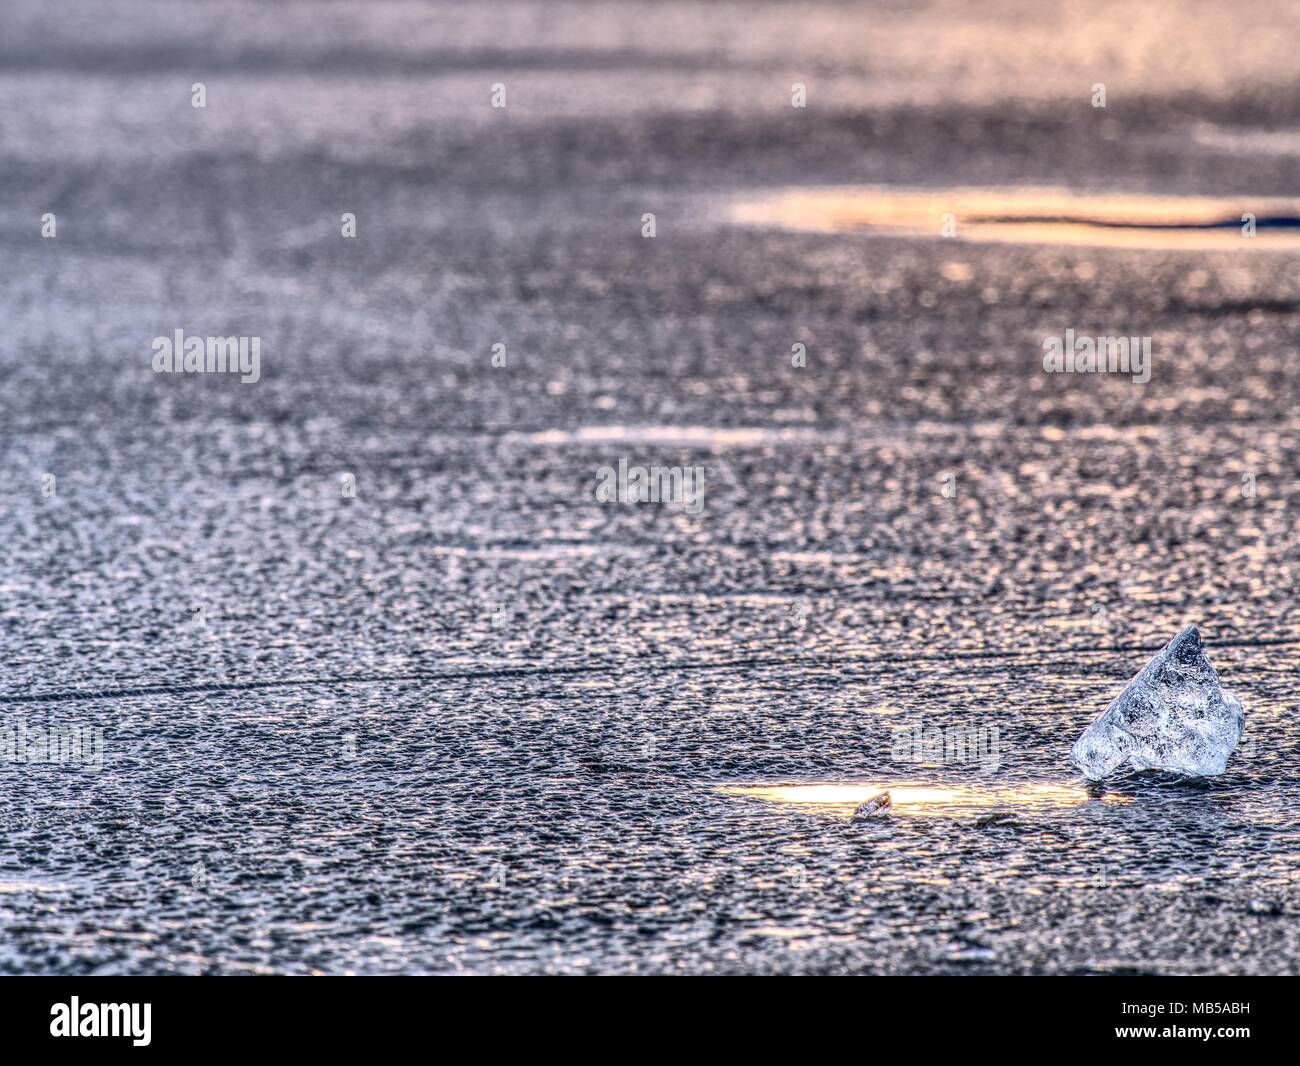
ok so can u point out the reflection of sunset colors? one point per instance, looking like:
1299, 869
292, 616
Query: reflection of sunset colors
1030, 215
925, 799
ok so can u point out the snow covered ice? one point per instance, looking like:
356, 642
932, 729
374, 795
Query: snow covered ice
1173, 716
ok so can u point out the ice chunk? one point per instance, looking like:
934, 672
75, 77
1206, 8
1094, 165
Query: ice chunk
1172, 716
876, 807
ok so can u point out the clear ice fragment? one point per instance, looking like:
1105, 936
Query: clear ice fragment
1173, 716
876, 807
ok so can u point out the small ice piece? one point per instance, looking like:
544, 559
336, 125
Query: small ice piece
876, 807
1172, 716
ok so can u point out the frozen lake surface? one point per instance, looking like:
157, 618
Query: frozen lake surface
472, 719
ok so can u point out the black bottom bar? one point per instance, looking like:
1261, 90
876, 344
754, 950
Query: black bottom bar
1221, 1015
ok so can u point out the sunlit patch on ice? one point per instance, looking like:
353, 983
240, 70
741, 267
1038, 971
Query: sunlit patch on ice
1256, 141
916, 798
543, 551
1032, 215
681, 436
13, 887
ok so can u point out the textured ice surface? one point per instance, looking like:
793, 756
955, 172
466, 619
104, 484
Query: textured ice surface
1172, 716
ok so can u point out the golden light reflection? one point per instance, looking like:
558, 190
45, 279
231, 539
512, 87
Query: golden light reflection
914, 798
1032, 215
